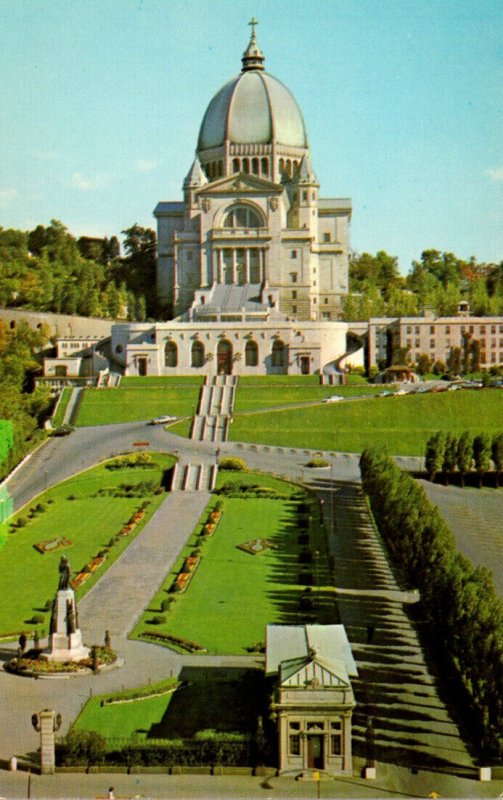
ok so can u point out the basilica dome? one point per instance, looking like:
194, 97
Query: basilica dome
253, 108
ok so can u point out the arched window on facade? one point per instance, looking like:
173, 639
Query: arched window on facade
197, 354
241, 216
251, 354
246, 166
279, 354
265, 166
255, 166
171, 354
235, 165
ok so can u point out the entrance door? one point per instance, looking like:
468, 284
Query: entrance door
304, 365
142, 366
315, 756
224, 357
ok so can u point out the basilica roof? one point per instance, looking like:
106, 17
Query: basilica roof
253, 108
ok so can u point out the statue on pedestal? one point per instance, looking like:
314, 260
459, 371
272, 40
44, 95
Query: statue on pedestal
65, 572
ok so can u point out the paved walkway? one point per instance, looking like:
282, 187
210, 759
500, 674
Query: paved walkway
394, 686
117, 600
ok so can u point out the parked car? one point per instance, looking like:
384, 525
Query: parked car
162, 420
385, 394
333, 399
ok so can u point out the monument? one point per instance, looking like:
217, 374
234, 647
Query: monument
65, 637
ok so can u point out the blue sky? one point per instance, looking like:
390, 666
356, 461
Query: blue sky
101, 103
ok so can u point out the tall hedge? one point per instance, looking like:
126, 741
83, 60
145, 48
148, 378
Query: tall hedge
459, 600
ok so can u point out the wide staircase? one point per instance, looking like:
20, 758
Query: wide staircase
214, 412
194, 477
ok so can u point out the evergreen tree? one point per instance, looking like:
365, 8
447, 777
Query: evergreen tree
497, 455
434, 457
482, 455
464, 455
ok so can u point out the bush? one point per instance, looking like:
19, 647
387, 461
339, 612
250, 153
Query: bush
317, 462
37, 619
233, 464
21, 522
165, 604
82, 747
159, 619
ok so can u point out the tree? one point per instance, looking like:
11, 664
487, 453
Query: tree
434, 457
467, 349
497, 454
464, 455
423, 364
454, 361
482, 455
439, 368
475, 355
450, 457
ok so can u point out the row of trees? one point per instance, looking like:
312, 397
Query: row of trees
463, 612
48, 269
449, 454
438, 280
26, 409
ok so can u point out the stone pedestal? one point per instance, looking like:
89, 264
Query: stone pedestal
65, 639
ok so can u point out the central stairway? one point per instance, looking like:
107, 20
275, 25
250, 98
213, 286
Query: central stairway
214, 412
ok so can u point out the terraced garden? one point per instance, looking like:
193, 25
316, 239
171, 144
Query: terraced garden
134, 403
90, 518
256, 566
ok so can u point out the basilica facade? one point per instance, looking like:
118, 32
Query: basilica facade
252, 262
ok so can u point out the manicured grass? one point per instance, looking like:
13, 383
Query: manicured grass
60, 413
233, 595
106, 406
279, 380
123, 720
149, 381
269, 396
402, 424
30, 578
225, 700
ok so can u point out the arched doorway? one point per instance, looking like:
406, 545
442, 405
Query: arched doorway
224, 357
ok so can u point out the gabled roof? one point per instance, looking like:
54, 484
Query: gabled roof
289, 642
241, 183
314, 671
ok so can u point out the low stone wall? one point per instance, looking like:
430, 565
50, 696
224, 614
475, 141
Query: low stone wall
59, 324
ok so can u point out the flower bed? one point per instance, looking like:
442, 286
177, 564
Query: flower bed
50, 545
80, 579
168, 638
145, 693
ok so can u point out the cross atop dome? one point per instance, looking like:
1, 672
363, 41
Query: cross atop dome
253, 57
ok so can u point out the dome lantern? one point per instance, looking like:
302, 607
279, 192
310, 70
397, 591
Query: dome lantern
253, 57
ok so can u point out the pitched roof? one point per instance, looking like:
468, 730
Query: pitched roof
290, 642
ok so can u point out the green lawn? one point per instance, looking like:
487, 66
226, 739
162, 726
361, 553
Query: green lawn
30, 578
226, 700
240, 593
250, 398
403, 424
150, 381
279, 380
106, 406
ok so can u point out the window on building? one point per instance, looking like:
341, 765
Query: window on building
409, 328
493, 343
417, 329
326, 237
482, 329
432, 330
293, 276
304, 196
417, 343
171, 355
242, 216
294, 294
325, 315
493, 328
118, 349
293, 254
315, 300
294, 309
251, 354
432, 343
471, 329
326, 300
447, 328
294, 744
278, 354
197, 354
189, 255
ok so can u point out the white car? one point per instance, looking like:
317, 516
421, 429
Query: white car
334, 399
162, 420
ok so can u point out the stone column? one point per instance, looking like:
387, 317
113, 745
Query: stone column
47, 723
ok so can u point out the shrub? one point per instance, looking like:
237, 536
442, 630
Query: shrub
37, 619
233, 464
21, 522
317, 462
165, 604
159, 619
71, 497
83, 747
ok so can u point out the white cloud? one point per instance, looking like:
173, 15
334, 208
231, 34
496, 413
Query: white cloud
145, 165
86, 183
495, 173
7, 196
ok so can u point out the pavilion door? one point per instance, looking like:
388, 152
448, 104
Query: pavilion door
304, 365
315, 755
142, 366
